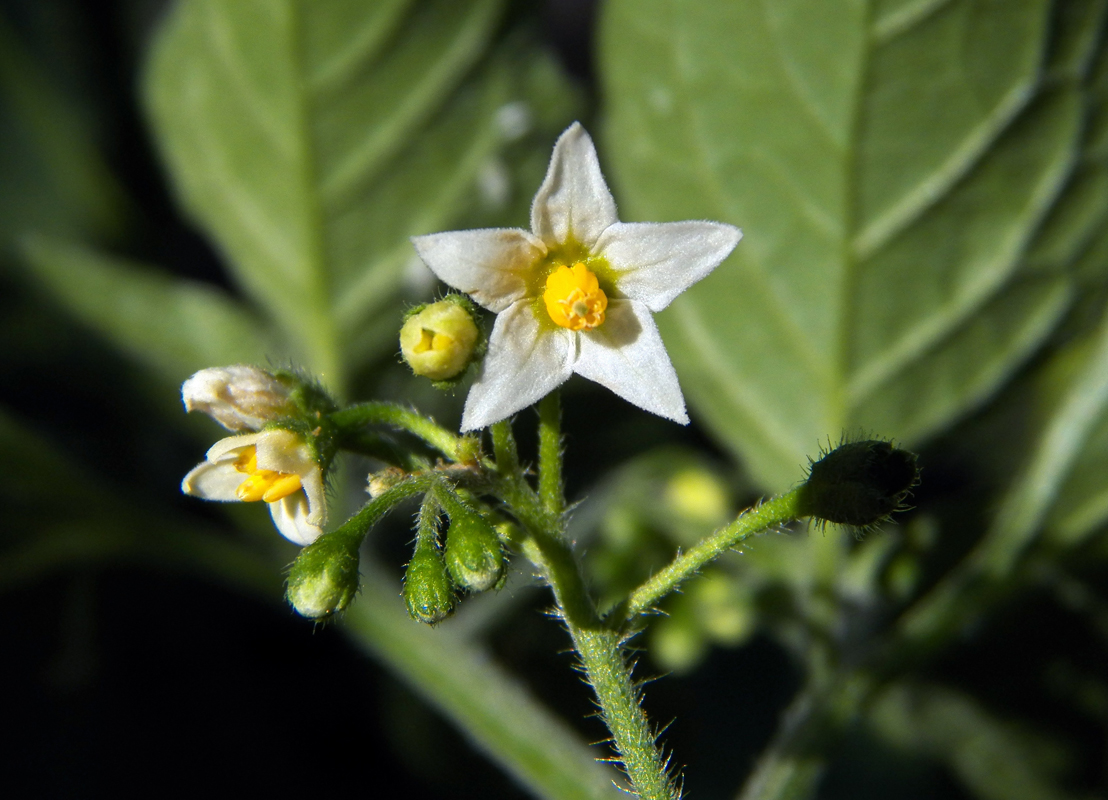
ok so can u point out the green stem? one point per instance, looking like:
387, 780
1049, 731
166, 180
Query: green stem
775, 511
599, 647
550, 454
427, 530
493, 708
351, 418
359, 524
504, 448
601, 653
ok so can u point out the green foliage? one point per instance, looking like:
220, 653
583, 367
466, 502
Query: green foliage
173, 327
55, 178
310, 140
891, 167
923, 187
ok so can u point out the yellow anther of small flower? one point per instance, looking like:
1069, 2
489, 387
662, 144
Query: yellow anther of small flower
429, 340
263, 484
574, 298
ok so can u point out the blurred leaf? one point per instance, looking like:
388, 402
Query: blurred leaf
499, 715
1069, 477
173, 326
994, 759
311, 139
890, 170
55, 179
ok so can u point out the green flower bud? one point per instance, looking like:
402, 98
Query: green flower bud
473, 553
859, 483
428, 592
324, 578
441, 339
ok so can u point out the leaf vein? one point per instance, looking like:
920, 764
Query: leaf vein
894, 220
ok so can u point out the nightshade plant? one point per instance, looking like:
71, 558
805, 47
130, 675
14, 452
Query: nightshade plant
575, 295
437, 417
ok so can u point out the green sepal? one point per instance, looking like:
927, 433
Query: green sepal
324, 579
428, 591
474, 556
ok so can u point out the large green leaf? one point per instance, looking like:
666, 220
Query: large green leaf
891, 164
172, 326
311, 139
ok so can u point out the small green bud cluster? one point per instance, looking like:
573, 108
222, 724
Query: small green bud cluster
324, 578
440, 340
473, 560
859, 483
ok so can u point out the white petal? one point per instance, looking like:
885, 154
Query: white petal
626, 355
522, 366
656, 261
213, 481
284, 451
290, 515
573, 201
489, 265
312, 482
226, 449
238, 397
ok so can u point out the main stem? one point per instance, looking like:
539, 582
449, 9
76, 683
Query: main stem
599, 646
600, 649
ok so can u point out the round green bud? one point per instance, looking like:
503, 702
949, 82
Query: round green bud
859, 483
473, 553
324, 578
439, 340
428, 592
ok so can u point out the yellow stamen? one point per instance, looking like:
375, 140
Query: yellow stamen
263, 484
427, 341
574, 298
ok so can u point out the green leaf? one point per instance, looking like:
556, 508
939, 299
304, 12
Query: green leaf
311, 139
1063, 487
891, 164
55, 178
501, 717
173, 326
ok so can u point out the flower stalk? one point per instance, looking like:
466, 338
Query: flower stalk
759, 519
550, 453
349, 421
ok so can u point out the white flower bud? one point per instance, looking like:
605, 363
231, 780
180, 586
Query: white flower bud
439, 340
239, 397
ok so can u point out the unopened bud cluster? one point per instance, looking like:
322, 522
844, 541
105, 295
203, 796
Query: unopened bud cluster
473, 561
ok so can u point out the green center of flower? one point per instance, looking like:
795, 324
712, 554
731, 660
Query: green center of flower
263, 484
574, 299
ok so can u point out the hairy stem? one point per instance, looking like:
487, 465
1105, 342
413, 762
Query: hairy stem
599, 647
350, 419
751, 522
504, 448
550, 454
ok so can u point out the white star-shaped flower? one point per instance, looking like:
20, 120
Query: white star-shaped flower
275, 466
577, 292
